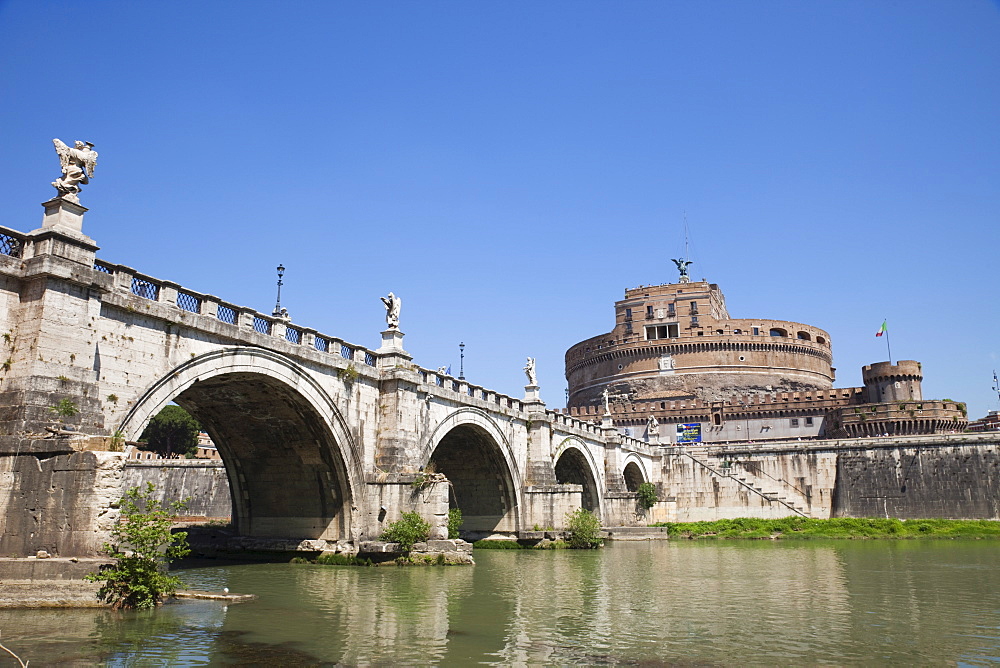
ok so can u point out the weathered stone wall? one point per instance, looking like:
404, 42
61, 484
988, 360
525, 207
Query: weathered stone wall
60, 502
548, 505
960, 482
696, 490
202, 483
955, 476
392, 495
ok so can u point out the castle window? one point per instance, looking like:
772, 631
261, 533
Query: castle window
804, 336
737, 331
694, 307
649, 311
794, 422
778, 332
628, 327
809, 422
756, 331
694, 321
628, 315
820, 339
654, 332
673, 331
670, 309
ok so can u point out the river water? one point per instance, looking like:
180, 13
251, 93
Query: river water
682, 602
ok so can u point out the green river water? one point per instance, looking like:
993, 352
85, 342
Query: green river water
685, 603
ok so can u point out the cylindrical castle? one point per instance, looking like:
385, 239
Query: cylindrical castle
677, 341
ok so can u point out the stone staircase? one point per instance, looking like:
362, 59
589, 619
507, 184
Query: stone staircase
773, 491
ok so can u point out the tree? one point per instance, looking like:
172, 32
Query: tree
143, 547
172, 432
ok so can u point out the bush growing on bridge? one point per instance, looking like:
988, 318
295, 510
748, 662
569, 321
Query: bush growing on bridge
409, 529
454, 522
143, 547
647, 495
584, 530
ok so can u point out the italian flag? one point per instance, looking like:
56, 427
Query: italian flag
882, 330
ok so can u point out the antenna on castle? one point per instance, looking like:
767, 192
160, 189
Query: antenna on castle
687, 252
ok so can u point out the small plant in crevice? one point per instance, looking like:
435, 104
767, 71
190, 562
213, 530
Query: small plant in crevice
348, 374
66, 408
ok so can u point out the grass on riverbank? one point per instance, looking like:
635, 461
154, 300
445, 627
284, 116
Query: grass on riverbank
514, 545
840, 527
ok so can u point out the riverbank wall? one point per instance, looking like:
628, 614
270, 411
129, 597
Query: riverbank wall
201, 483
952, 476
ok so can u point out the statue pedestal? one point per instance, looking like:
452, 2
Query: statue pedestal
606, 422
391, 354
61, 233
531, 395
392, 342
65, 215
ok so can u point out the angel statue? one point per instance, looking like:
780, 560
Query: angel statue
529, 371
682, 266
392, 306
77, 164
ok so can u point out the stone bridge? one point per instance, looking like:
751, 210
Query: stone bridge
321, 438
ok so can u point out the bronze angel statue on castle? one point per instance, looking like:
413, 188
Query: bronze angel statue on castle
77, 164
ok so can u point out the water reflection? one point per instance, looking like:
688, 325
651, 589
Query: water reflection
851, 602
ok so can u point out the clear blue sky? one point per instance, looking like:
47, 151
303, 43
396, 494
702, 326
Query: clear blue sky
509, 168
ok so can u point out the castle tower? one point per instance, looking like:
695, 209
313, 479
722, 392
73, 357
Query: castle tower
886, 382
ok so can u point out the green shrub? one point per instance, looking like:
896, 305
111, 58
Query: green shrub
647, 495
336, 559
497, 545
584, 529
142, 546
454, 522
409, 529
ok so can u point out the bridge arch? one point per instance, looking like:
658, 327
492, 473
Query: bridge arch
294, 469
634, 473
470, 449
575, 465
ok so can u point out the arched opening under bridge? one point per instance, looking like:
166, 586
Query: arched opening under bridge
279, 436
633, 477
572, 468
481, 483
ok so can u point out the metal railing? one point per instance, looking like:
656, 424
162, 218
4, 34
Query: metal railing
189, 302
293, 335
261, 325
145, 289
11, 245
369, 358
346, 352
321, 344
226, 314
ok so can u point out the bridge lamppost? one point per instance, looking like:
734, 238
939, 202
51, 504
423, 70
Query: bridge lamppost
277, 304
461, 361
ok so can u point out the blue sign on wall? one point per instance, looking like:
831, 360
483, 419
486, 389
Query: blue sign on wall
689, 433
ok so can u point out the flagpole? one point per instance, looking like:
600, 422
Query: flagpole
888, 349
